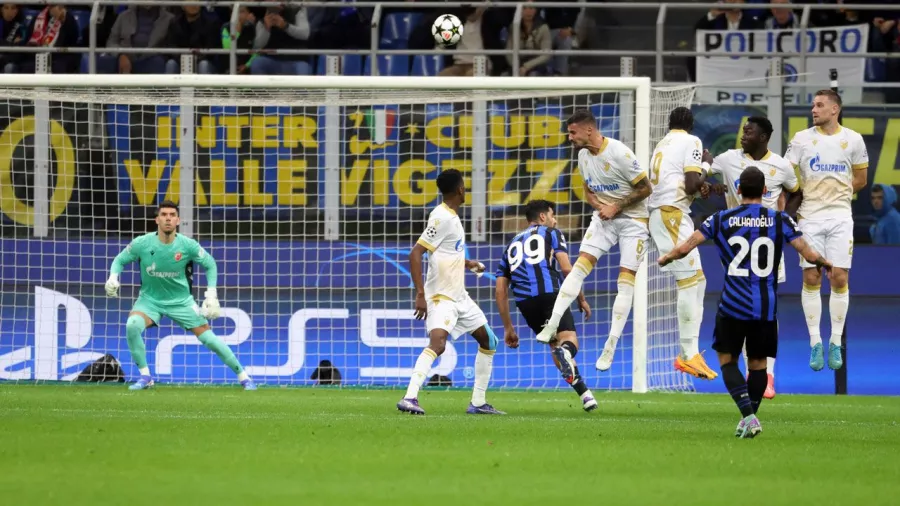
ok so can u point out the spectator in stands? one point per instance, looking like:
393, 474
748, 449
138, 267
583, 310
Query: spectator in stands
53, 27
191, 29
282, 28
12, 33
482, 28
144, 26
562, 29
244, 38
345, 27
782, 18
887, 229
723, 19
106, 18
533, 34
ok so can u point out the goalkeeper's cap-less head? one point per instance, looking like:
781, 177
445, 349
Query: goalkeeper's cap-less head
166, 204
449, 181
752, 183
681, 118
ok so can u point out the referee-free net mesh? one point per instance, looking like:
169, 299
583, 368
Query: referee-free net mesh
309, 200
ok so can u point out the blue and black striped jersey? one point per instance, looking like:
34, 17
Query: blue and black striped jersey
529, 261
750, 239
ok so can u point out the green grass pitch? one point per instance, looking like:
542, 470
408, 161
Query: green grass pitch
74, 445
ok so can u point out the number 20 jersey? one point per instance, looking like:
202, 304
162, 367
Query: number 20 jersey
750, 239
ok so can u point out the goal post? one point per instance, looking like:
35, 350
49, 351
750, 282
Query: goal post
309, 191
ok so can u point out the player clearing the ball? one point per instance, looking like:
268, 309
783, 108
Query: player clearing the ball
676, 173
616, 186
833, 165
166, 262
443, 301
531, 266
750, 239
780, 180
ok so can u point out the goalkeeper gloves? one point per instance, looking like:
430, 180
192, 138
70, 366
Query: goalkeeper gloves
211, 308
112, 286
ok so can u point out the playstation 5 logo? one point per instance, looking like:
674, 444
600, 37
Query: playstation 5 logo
45, 353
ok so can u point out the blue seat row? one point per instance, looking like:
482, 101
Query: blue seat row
388, 65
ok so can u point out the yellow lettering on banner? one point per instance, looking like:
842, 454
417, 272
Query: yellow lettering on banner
164, 132
299, 130
862, 126
254, 195
501, 171
886, 172
545, 132
549, 171
264, 132
434, 131
64, 162
173, 193
381, 182
794, 125
145, 187
577, 183
233, 125
465, 131
351, 181
425, 189
205, 133
516, 131
291, 182
217, 190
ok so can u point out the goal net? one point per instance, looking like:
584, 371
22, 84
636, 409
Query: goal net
309, 193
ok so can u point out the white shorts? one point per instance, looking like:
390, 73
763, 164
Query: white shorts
832, 239
457, 318
629, 233
669, 226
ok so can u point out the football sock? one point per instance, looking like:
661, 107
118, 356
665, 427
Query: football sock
811, 301
420, 372
838, 304
737, 387
215, 345
698, 315
484, 363
770, 366
578, 384
569, 291
687, 315
756, 387
621, 306
134, 327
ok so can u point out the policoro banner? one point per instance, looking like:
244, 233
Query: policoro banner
739, 61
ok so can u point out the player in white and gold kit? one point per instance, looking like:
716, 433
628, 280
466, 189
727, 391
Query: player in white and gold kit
833, 165
616, 186
780, 179
443, 300
676, 173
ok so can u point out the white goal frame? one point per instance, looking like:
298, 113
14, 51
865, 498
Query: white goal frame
182, 88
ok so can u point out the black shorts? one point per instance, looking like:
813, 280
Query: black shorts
730, 334
538, 309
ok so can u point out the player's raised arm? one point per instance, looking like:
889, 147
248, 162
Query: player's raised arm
640, 185
125, 257
210, 308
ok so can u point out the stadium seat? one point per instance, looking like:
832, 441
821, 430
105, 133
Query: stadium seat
427, 65
351, 65
82, 19
106, 63
389, 65
397, 26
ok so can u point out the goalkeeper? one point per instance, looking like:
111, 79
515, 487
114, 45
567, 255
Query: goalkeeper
166, 263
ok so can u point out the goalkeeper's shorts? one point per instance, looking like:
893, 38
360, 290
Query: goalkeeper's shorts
184, 313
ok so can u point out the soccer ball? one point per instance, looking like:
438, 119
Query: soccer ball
447, 30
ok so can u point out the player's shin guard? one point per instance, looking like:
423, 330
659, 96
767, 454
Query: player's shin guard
621, 306
811, 301
420, 372
134, 327
569, 291
756, 387
215, 345
578, 382
484, 364
737, 387
838, 304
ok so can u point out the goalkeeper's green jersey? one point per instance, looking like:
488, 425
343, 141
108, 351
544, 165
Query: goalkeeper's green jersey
166, 269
